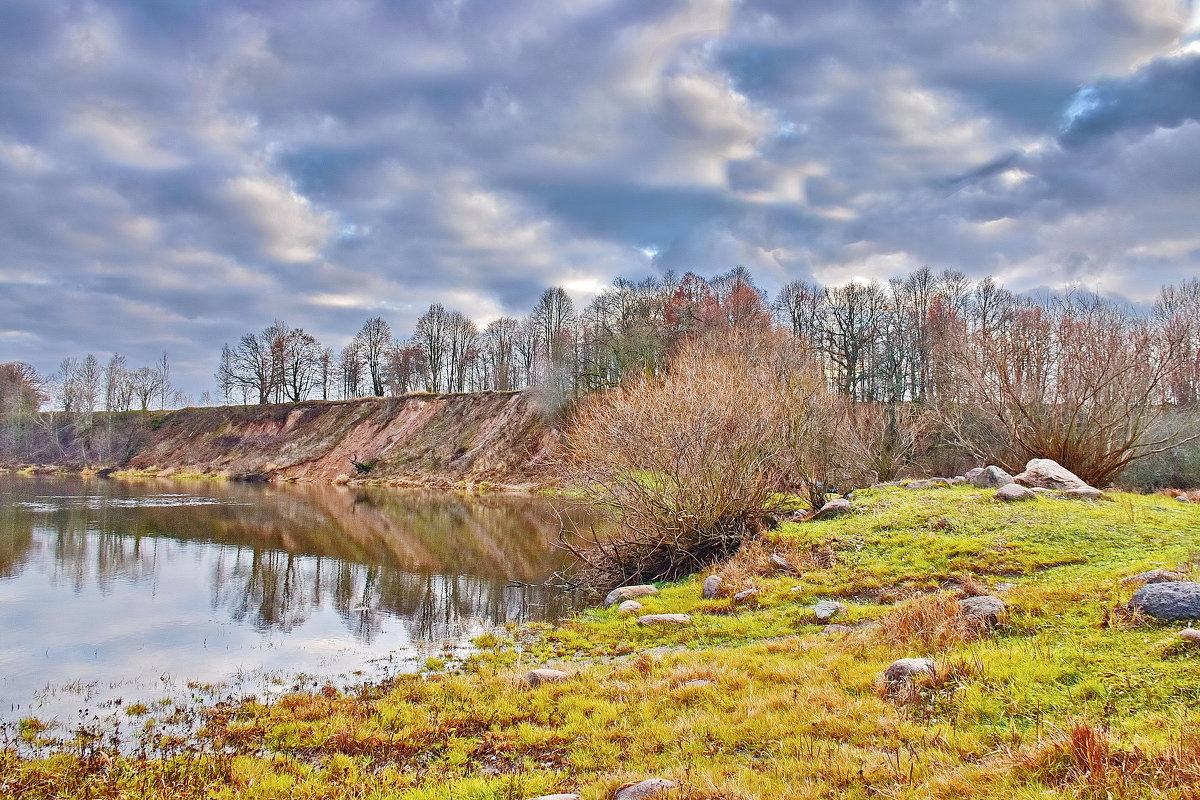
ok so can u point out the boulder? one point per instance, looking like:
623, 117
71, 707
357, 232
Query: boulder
834, 508
908, 669
1049, 474
643, 789
990, 610
1082, 493
629, 606
971, 473
665, 619
1190, 635
1013, 492
826, 610
628, 593
1174, 600
781, 565
928, 483
712, 586
539, 676
744, 595
1183, 498
1155, 576
991, 477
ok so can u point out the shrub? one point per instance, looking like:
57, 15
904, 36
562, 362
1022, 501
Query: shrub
690, 461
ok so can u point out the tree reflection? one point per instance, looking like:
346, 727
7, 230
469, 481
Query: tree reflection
446, 565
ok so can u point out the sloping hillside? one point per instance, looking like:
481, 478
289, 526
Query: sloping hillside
495, 437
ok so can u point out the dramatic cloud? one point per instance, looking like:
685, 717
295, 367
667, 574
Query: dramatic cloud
174, 173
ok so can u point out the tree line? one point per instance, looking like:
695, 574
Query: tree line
876, 342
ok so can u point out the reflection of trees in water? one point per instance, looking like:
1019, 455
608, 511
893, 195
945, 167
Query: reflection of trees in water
273, 589
440, 562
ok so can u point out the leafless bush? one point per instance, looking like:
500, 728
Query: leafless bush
1083, 384
691, 461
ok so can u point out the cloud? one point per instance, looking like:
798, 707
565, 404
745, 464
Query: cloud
175, 174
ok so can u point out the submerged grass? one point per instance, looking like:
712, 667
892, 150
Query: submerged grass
753, 700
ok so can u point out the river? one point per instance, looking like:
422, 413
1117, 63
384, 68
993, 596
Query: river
114, 591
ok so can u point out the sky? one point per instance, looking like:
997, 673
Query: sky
175, 173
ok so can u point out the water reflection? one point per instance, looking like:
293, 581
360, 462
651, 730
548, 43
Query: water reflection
90, 570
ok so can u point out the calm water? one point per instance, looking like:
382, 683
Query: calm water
114, 589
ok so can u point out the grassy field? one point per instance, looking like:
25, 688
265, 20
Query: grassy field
1068, 697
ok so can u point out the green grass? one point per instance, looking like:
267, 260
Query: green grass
1066, 699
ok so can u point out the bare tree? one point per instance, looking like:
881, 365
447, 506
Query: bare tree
433, 337
374, 340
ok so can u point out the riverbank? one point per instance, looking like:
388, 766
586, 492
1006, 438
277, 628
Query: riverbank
752, 696
484, 441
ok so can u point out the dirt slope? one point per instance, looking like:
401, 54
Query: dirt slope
498, 437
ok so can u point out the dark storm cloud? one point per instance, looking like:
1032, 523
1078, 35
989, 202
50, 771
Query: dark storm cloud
174, 173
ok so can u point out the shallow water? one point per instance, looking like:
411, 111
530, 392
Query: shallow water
133, 590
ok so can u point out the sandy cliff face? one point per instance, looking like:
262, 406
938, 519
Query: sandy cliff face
498, 437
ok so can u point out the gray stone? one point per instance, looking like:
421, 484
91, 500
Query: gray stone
539, 676
957, 480
781, 565
643, 789
983, 607
665, 619
1183, 499
835, 629
1049, 474
744, 595
628, 593
971, 473
1082, 493
1175, 600
991, 477
928, 483
907, 669
712, 585
629, 606
1014, 492
1155, 576
834, 508
1190, 635
826, 610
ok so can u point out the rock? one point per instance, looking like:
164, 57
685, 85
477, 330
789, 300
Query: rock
957, 480
1082, 493
907, 669
1175, 600
712, 585
628, 593
1049, 474
971, 473
629, 606
1155, 576
928, 483
1191, 635
781, 565
826, 610
1014, 492
833, 630
665, 619
983, 607
558, 797
1183, 498
647, 788
834, 508
991, 477
537, 677
745, 595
